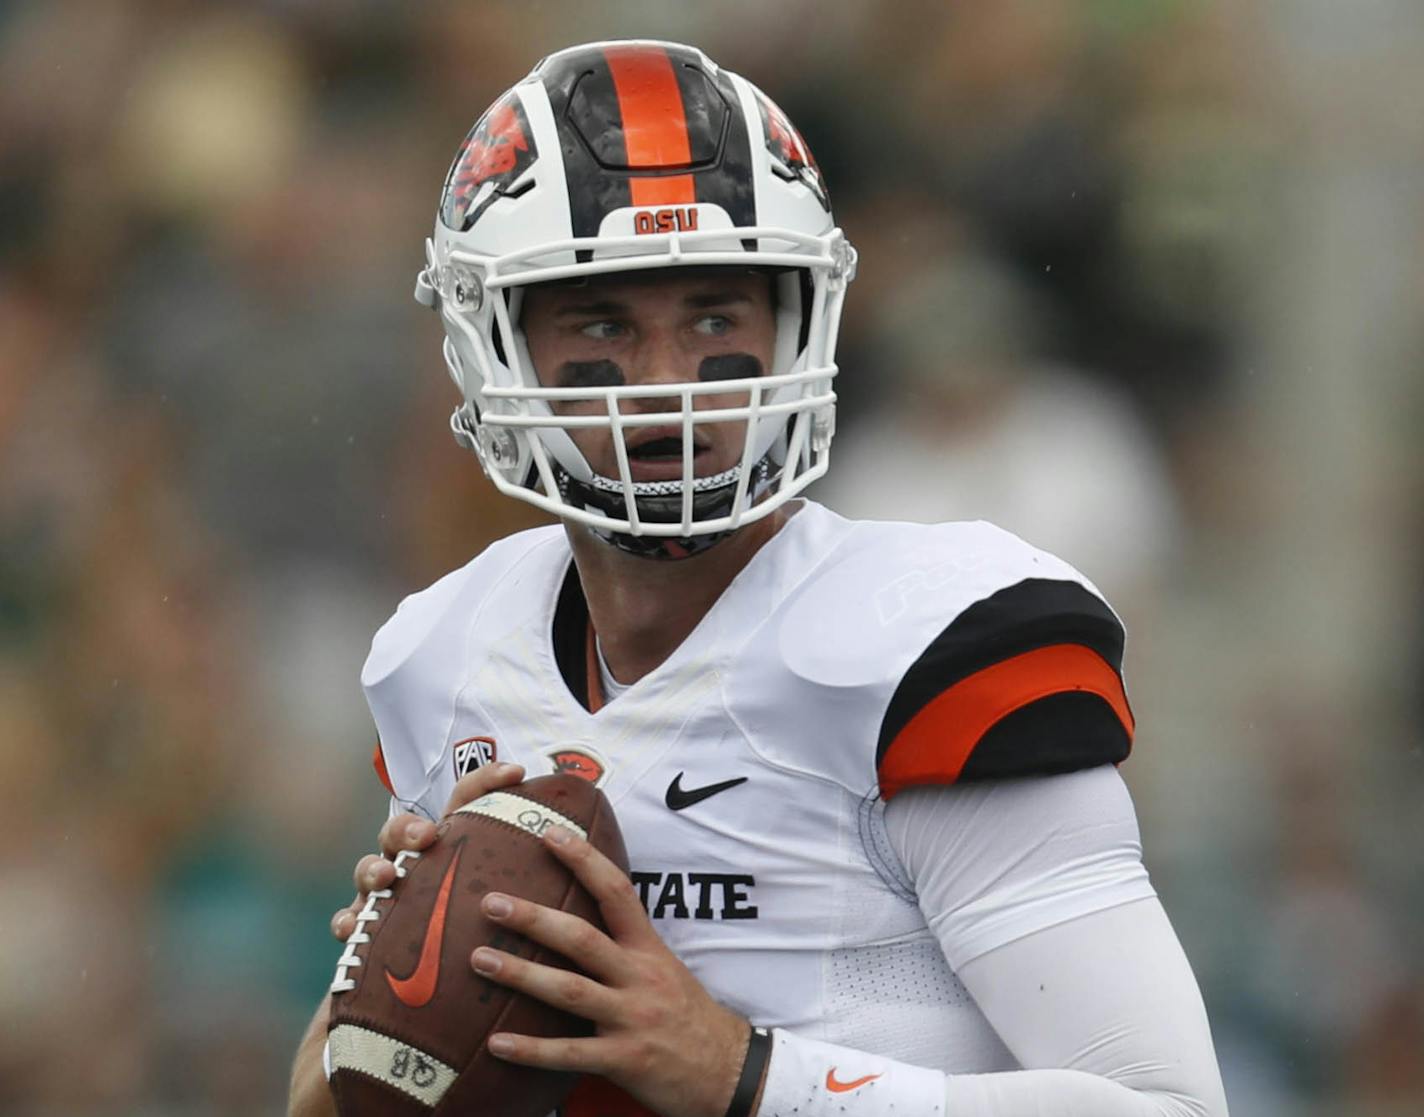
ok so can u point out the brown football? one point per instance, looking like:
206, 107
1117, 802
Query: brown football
409, 1016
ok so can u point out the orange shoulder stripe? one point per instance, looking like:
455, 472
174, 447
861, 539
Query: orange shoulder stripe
378, 761
935, 744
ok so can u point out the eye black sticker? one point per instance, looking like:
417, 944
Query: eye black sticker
591, 374
729, 366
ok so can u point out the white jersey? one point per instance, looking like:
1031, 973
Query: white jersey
750, 771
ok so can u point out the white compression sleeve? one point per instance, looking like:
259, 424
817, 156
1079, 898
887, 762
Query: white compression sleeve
1108, 1005
1105, 1004
1036, 892
992, 862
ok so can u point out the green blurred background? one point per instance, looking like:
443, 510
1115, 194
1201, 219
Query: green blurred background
1140, 280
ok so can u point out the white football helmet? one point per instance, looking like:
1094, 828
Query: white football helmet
628, 156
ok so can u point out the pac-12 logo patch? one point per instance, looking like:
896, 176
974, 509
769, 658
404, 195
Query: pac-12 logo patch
472, 753
579, 760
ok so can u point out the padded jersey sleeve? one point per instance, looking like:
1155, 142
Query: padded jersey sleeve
421, 658
917, 654
1026, 681
1104, 1014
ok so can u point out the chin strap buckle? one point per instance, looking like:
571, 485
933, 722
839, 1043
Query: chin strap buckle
427, 293
462, 426
427, 279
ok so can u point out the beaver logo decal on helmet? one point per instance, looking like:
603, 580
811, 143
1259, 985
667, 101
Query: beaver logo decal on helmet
791, 158
494, 156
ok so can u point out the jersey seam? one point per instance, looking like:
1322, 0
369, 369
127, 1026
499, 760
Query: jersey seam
466, 638
723, 675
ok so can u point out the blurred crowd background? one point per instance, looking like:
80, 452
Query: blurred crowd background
1140, 280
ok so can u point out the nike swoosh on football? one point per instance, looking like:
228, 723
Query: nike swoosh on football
417, 989
677, 798
836, 1086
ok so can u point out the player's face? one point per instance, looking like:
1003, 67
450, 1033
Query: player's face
656, 328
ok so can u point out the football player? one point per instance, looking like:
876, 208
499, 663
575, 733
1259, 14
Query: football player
882, 860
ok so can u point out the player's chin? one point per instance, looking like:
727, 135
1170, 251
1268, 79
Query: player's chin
665, 469
707, 461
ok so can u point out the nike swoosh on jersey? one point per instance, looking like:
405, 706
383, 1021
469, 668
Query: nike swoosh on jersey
417, 989
836, 1086
677, 798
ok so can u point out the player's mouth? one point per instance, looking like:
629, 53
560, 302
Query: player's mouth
655, 453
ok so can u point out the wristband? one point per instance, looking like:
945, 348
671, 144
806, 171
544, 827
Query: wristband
809, 1078
758, 1050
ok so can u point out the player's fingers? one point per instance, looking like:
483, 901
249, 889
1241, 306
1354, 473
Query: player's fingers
405, 831
588, 1056
344, 921
372, 872
563, 989
484, 779
623, 912
576, 939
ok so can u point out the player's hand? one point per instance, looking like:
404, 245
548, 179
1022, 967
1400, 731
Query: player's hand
659, 1034
409, 831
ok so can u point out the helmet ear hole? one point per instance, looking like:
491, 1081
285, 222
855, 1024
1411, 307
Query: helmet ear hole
793, 291
508, 349
792, 302
807, 293
497, 341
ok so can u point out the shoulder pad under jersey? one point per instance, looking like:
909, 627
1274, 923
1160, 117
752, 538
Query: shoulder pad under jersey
417, 662
933, 654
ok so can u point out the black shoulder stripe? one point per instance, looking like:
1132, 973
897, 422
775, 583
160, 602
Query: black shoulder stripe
1060, 733
1034, 613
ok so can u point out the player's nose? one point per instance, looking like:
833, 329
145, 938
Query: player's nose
660, 360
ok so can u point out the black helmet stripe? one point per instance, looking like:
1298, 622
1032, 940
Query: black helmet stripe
729, 183
590, 127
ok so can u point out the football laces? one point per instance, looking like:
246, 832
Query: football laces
369, 913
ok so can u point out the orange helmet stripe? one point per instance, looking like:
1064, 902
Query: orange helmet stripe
654, 123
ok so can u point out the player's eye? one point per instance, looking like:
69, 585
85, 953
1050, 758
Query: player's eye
602, 330
713, 325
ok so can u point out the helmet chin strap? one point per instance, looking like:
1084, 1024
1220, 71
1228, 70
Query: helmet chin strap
660, 502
